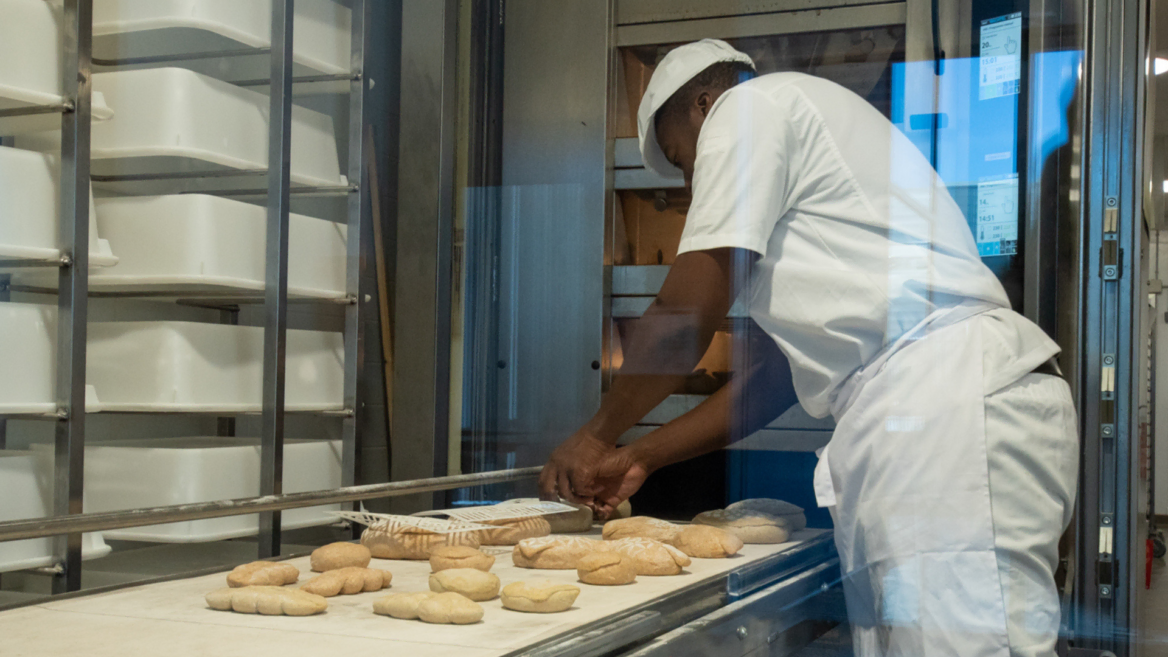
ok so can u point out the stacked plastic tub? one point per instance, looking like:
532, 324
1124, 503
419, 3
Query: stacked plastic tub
157, 132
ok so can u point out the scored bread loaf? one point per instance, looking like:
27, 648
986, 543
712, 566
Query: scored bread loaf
640, 527
339, 555
449, 608
539, 596
392, 541
263, 573
512, 530
445, 557
753, 527
267, 600
401, 605
606, 568
650, 557
568, 522
766, 505
706, 542
552, 552
472, 583
348, 581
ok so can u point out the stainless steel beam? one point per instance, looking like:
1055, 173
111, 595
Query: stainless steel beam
791, 22
276, 278
16, 530
658, 11
73, 286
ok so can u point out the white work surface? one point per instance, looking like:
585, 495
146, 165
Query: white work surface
172, 618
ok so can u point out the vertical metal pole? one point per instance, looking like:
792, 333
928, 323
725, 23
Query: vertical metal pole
276, 287
355, 263
73, 242
5, 296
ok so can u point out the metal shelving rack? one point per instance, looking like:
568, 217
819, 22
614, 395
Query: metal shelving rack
68, 520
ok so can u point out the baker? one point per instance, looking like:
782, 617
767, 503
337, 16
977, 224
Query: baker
952, 470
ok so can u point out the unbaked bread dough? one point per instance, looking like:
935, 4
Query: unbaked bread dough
706, 542
450, 608
650, 557
348, 581
754, 527
267, 600
263, 573
513, 530
640, 527
401, 605
540, 596
340, 555
607, 568
474, 584
569, 522
387, 541
552, 552
766, 505
445, 557
622, 510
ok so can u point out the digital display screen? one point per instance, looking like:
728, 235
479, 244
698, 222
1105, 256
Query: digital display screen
997, 216
1001, 56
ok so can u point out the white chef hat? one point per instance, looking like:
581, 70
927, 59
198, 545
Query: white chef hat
679, 66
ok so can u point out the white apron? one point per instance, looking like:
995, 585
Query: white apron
909, 476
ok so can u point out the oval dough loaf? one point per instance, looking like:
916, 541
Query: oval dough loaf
474, 584
706, 542
263, 573
552, 552
640, 527
348, 581
766, 505
450, 608
390, 541
539, 596
622, 510
340, 555
650, 557
751, 526
513, 530
445, 557
607, 568
569, 522
401, 605
267, 600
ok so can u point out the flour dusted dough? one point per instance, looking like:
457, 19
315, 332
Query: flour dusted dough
622, 510
267, 600
386, 541
766, 505
552, 552
540, 596
450, 608
340, 555
401, 605
650, 557
753, 527
705, 542
474, 584
445, 557
513, 530
569, 522
348, 581
607, 568
640, 527
263, 573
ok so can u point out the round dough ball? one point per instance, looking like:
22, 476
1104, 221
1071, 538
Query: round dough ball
622, 510
606, 569
706, 542
752, 527
450, 609
766, 505
401, 605
552, 552
340, 555
539, 596
640, 527
445, 557
474, 584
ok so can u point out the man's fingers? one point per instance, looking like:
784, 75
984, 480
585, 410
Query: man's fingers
583, 482
547, 483
565, 487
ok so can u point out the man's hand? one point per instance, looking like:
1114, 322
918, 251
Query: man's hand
570, 472
619, 475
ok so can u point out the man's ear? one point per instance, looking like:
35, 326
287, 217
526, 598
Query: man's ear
704, 101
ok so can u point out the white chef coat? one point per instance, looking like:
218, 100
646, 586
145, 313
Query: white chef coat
858, 238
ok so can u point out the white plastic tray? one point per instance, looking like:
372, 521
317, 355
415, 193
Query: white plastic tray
26, 480
30, 65
29, 209
147, 28
28, 344
196, 367
195, 243
177, 121
132, 474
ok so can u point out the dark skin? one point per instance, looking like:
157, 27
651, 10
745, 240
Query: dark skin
665, 345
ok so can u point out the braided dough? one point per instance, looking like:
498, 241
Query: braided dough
705, 542
650, 557
607, 568
348, 581
539, 596
445, 557
262, 573
340, 555
401, 605
552, 552
474, 584
640, 527
387, 541
449, 608
267, 600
